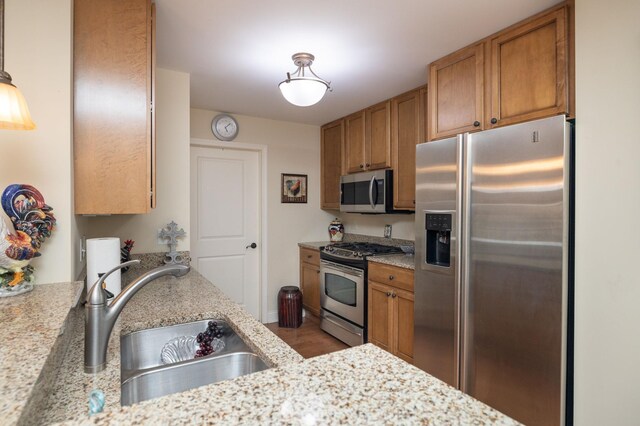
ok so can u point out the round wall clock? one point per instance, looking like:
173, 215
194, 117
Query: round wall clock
224, 127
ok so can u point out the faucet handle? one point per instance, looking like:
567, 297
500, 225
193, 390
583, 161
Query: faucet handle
96, 294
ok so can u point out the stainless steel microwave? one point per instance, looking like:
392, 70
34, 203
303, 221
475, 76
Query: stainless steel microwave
367, 192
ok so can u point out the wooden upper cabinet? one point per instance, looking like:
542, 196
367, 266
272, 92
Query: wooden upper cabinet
529, 77
354, 142
367, 139
406, 125
378, 136
456, 90
331, 143
113, 117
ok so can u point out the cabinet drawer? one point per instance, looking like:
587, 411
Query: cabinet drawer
310, 256
391, 275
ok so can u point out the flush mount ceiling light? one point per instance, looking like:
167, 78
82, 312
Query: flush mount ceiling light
14, 114
303, 87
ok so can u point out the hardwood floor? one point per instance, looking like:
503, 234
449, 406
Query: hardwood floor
308, 340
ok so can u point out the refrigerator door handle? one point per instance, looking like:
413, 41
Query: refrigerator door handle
465, 242
460, 261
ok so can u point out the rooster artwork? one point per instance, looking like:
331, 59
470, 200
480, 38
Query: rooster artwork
32, 222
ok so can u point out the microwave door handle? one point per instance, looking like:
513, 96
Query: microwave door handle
371, 184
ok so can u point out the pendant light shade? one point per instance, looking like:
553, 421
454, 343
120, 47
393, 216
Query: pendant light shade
14, 113
303, 88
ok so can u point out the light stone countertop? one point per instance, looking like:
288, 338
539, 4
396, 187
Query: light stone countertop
30, 325
361, 385
399, 260
314, 245
165, 301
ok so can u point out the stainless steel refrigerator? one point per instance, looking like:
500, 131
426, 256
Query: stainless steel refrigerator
493, 261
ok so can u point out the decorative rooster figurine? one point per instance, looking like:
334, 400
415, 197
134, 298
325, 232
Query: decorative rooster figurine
31, 223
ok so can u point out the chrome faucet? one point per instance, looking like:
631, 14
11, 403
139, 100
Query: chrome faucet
100, 317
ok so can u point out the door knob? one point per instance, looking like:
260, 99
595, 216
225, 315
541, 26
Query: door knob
253, 245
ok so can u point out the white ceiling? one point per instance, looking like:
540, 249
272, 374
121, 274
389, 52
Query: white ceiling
237, 51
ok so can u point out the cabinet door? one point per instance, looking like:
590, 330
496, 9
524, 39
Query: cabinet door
310, 284
529, 70
331, 142
380, 316
354, 141
403, 316
378, 136
406, 123
456, 90
112, 52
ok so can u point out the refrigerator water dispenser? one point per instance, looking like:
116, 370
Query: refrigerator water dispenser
438, 229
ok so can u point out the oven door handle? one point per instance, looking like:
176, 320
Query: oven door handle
341, 269
371, 185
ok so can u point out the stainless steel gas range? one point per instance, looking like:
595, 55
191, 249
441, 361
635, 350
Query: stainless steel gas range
343, 289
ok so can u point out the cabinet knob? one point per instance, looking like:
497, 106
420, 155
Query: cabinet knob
494, 120
362, 166
414, 202
391, 277
476, 124
367, 164
388, 293
309, 256
393, 295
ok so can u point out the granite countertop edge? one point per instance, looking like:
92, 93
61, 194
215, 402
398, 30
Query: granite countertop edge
352, 386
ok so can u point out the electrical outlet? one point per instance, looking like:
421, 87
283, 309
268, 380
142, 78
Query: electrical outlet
83, 248
387, 231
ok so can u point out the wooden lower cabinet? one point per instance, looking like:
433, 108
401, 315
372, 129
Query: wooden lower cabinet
390, 315
310, 280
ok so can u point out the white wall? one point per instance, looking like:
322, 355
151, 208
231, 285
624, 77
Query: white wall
402, 225
607, 343
291, 148
38, 55
172, 177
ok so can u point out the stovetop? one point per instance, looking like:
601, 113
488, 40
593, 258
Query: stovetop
357, 250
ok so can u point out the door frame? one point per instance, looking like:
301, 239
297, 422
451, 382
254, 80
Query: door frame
262, 225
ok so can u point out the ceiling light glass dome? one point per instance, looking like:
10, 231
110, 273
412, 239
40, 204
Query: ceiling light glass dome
303, 88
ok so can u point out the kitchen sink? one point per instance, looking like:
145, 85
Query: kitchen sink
144, 376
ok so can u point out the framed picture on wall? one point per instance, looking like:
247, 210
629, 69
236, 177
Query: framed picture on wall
293, 188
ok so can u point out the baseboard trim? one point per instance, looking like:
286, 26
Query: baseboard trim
272, 316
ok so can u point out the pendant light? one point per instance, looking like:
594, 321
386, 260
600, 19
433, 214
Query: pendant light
303, 88
14, 113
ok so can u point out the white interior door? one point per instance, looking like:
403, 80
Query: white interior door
225, 221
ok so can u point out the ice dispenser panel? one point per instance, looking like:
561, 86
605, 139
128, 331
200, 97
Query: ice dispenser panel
438, 229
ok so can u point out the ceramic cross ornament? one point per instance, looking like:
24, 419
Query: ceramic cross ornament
171, 233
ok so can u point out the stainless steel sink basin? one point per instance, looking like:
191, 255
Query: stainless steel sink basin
143, 375
188, 375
